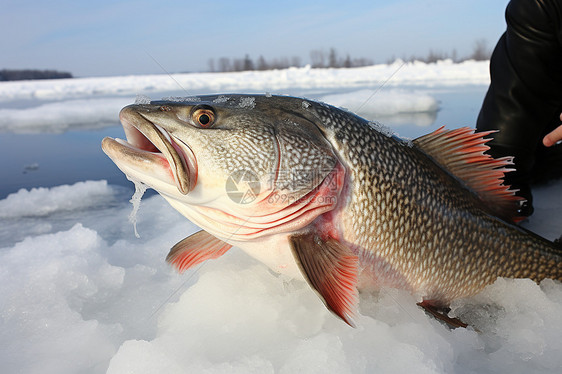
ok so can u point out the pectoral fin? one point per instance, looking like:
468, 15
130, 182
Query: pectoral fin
195, 249
331, 270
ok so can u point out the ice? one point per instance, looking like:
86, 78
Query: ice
39, 202
140, 188
385, 130
415, 107
142, 99
111, 303
247, 102
443, 73
80, 294
221, 99
89, 103
62, 116
61, 291
181, 99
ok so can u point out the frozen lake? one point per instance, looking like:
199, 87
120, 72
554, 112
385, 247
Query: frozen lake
56, 154
81, 294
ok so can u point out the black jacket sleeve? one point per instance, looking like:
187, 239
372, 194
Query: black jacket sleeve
524, 99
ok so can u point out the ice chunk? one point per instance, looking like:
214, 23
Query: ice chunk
385, 130
247, 102
181, 99
142, 99
39, 202
62, 116
114, 306
221, 99
31, 167
388, 103
140, 188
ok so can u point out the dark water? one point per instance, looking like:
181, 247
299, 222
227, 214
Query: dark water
46, 160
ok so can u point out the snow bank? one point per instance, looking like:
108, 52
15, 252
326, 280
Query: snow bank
84, 298
63, 115
44, 201
404, 106
442, 73
383, 103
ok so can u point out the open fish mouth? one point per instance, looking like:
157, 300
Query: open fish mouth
150, 152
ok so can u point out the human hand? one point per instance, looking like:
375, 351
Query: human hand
554, 136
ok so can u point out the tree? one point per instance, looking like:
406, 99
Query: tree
333, 58
317, 58
28, 74
224, 64
347, 62
248, 63
480, 50
296, 61
262, 64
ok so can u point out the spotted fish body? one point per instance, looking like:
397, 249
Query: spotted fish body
340, 200
418, 227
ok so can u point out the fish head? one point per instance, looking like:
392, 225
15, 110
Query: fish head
240, 155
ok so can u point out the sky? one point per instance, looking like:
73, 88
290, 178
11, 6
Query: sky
108, 37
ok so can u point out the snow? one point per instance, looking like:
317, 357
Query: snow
81, 300
393, 102
411, 73
81, 294
406, 106
247, 102
89, 103
44, 201
62, 116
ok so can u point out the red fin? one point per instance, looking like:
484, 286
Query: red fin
331, 270
461, 152
195, 249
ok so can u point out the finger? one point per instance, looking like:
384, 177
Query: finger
552, 137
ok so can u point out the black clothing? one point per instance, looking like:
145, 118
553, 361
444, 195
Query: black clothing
524, 100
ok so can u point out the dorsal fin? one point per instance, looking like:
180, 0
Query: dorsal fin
461, 152
195, 249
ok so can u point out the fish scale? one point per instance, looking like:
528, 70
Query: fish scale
343, 203
411, 214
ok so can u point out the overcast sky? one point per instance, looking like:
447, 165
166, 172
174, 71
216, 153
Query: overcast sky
108, 37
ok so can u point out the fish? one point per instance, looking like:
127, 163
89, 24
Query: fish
322, 195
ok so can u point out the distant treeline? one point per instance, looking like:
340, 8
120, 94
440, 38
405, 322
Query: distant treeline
331, 59
318, 59
18, 75
480, 52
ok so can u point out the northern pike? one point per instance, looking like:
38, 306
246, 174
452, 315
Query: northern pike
320, 193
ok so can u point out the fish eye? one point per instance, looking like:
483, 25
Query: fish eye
203, 117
